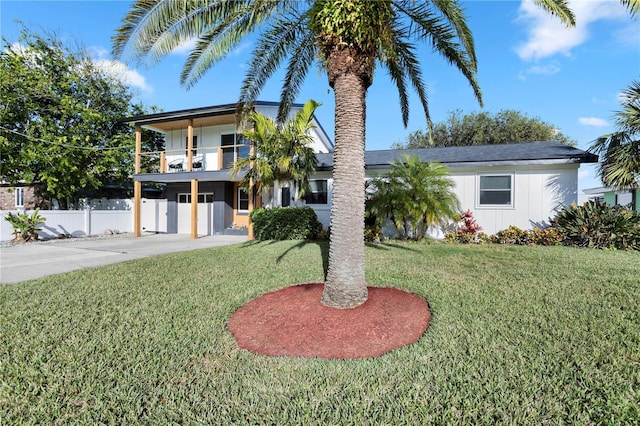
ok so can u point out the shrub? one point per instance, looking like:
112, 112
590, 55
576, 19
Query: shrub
286, 223
511, 235
597, 225
25, 227
536, 237
545, 237
466, 231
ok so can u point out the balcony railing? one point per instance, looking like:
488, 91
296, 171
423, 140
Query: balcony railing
202, 159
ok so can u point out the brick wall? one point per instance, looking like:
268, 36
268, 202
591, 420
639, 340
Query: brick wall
8, 198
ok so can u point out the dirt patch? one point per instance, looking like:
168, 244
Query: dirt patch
293, 322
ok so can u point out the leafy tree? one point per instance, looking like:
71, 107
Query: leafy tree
283, 152
349, 38
59, 121
619, 151
483, 128
414, 196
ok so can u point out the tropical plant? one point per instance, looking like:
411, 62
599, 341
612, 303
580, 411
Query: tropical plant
349, 38
282, 152
414, 196
598, 225
619, 151
25, 226
466, 229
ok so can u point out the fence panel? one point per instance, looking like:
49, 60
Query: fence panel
75, 222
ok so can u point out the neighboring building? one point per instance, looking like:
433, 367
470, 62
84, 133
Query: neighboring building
19, 198
612, 197
513, 184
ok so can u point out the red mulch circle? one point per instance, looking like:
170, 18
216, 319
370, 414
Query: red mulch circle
293, 322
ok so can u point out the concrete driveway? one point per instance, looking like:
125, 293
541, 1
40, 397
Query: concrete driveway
35, 260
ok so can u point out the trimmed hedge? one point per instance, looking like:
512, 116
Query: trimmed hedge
286, 223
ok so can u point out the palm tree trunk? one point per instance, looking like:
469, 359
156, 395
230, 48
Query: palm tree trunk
345, 286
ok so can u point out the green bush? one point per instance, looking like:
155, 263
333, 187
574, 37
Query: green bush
286, 223
536, 237
597, 225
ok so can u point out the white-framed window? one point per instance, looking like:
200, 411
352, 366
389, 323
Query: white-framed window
243, 201
319, 193
19, 194
205, 197
495, 190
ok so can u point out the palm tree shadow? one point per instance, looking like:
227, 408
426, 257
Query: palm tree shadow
389, 246
324, 249
323, 245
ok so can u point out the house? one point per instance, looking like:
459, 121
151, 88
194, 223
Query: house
20, 197
512, 184
201, 145
613, 197
519, 184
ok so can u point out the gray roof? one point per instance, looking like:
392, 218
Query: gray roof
207, 111
477, 155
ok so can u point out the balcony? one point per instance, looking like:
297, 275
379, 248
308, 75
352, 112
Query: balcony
202, 159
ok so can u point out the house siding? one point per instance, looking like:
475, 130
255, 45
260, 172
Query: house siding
538, 192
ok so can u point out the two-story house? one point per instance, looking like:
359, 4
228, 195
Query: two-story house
201, 145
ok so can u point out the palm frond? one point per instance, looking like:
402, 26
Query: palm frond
443, 39
632, 6
456, 17
560, 9
272, 48
301, 59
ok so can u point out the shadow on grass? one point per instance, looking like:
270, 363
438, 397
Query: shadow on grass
389, 246
324, 249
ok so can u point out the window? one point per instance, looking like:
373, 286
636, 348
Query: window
496, 190
285, 197
318, 194
243, 201
195, 145
19, 197
233, 148
202, 198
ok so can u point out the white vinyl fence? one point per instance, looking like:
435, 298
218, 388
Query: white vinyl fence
77, 223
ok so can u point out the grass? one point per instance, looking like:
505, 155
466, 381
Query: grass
519, 335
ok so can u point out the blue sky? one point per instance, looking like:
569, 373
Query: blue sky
527, 61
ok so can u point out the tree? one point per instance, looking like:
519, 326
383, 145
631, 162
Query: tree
349, 38
414, 196
483, 128
283, 152
619, 151
59, 121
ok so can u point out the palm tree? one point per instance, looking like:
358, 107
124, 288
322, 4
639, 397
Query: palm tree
620, 151
283, 152
348, 38
414, 196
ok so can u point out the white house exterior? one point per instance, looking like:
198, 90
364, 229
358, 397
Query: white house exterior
512, 184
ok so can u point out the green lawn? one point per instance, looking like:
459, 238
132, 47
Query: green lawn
521, 335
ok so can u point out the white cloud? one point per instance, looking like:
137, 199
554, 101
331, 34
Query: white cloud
583, 174
593, 121
548, 36
185, 47
121, 72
